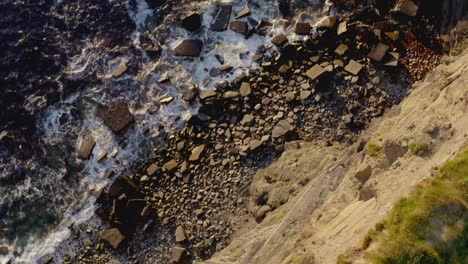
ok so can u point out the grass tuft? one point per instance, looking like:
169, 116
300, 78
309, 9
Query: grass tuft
303, 258
373, 149
429, 226
343, 259
419, 148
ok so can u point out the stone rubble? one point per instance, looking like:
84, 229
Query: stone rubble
328, 86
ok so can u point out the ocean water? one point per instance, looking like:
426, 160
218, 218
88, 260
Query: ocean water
56, 67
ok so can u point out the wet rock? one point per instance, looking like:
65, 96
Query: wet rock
326, 22
166, 100
221, 21
244, 12
120, 69
192, 22
302, 28
392, 59
353, 67
263, 28
123, 184
86, 147
179, 255
48, 260
196, 152
113, 237
240, 27
204, 95
101, 156
378, 52
189, 48
164, 78
4, 250
315, 72
180, 235
279, 40
342, 28
189, 93
407, 7
117, 117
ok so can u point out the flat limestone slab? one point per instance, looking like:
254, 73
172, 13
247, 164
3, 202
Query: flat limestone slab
353, 67
315, 72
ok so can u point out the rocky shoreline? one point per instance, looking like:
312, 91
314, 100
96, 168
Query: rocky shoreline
186, 202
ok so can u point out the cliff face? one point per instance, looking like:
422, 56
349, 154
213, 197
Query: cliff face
319, 202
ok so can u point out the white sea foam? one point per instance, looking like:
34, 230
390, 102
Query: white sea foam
143, 92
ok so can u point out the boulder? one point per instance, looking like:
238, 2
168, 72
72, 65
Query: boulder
120, 69
192, 22
152, 169
378, 52
302, 28
230, 94
281, 129
244, 12
113, 237
393, 59
3, 250
263, 28
196, 152
179, 255
189, 48
353, 67
123, 185
170, 165
245, 89
341, 49
221, 21
189, 93
180, 235
342, 28
254, 144
86, 147
315, 72
164, 78
304, 94
240, 27
279, 40
117, 117
207, 94
166, 100
407, 7
326, 22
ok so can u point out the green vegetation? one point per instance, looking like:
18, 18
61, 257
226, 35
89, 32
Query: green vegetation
303, 258
419, 148
343, 259
431, 225
373, 149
